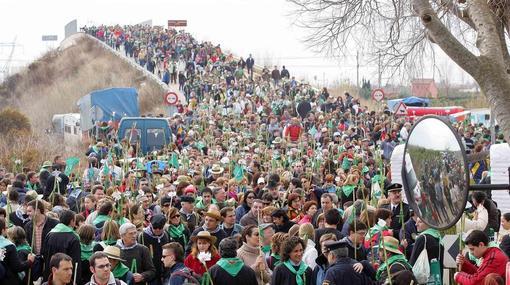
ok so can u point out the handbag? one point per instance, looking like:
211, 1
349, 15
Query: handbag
421, 268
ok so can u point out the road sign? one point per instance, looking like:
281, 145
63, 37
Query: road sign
378, 94
49, 38
401, 109
177, 23
171, 98
451, 250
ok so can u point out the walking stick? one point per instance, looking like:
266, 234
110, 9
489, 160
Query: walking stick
33, 238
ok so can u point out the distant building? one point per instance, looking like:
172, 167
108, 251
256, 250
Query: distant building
425, 88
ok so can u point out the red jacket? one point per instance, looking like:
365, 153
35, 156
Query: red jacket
196, 266
494, 261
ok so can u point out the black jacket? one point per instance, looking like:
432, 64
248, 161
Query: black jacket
434, 249
282, 275
155, 245
144, 264
48, 226
67, 243
505, 245
342, 272
13, 265
221, 277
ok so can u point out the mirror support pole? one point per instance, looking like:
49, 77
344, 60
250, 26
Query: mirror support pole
483, 187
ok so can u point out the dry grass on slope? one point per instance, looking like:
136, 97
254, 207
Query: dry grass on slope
54, 83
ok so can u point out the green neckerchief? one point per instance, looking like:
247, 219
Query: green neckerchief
277, 259
120, 270
231, 265
24, 246
100, 218
176, 232
300, 273
266, 248
432, 232
87, 250
61, 228
347, 189
395, 258
4, 242
121, 221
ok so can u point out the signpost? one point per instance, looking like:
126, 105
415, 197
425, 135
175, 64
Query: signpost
49, 38
177, 23
401, 109
378, 94
171, 98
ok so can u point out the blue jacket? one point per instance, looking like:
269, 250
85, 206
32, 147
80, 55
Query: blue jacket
176, 275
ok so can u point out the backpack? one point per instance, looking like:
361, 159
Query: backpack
188, 278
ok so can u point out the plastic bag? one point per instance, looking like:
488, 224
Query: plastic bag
421, 268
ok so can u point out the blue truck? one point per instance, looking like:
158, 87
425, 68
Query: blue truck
149, 134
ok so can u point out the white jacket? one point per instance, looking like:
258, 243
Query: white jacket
480, 223
310, 254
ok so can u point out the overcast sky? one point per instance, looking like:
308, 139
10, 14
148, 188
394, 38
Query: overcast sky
261, 27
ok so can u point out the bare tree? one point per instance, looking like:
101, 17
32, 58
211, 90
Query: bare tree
473, 33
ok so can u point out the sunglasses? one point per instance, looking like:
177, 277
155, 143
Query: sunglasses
166, 205
176, 216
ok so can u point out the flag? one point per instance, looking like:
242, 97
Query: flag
70, 164
238, 172
174, 160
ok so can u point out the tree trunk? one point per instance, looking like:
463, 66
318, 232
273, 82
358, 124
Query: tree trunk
495, 84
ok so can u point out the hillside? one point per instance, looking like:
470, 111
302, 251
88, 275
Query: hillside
54, 83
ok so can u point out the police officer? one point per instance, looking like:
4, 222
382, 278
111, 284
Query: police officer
345, 270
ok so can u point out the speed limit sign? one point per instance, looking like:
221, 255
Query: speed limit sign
171, 98
378, 95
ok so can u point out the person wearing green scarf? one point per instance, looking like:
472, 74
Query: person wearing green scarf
392, 259
119, 270
292, 270
429, 239
62, 238
230, 269
176, 230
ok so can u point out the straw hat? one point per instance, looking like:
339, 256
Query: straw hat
113, 252
216, 169
215, 214
391, 244
204, 235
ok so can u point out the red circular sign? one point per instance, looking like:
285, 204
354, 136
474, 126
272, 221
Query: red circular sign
171, 98
378, 94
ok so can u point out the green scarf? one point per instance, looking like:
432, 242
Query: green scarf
300, 273
100, 218
347, 189
61, 228
266, 248
277, 259
231, 265
120, 270
24, 247
87, 250
395, 258
176, 232
432, 232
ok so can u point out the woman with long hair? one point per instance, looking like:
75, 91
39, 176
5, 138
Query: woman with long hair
292, 270
250, 253
109, 235
203, 253
246, 203
177, 230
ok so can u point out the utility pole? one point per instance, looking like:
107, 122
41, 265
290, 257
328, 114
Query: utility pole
379, 71
5, 70
357, 69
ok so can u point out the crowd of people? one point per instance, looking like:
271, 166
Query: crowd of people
255, 187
